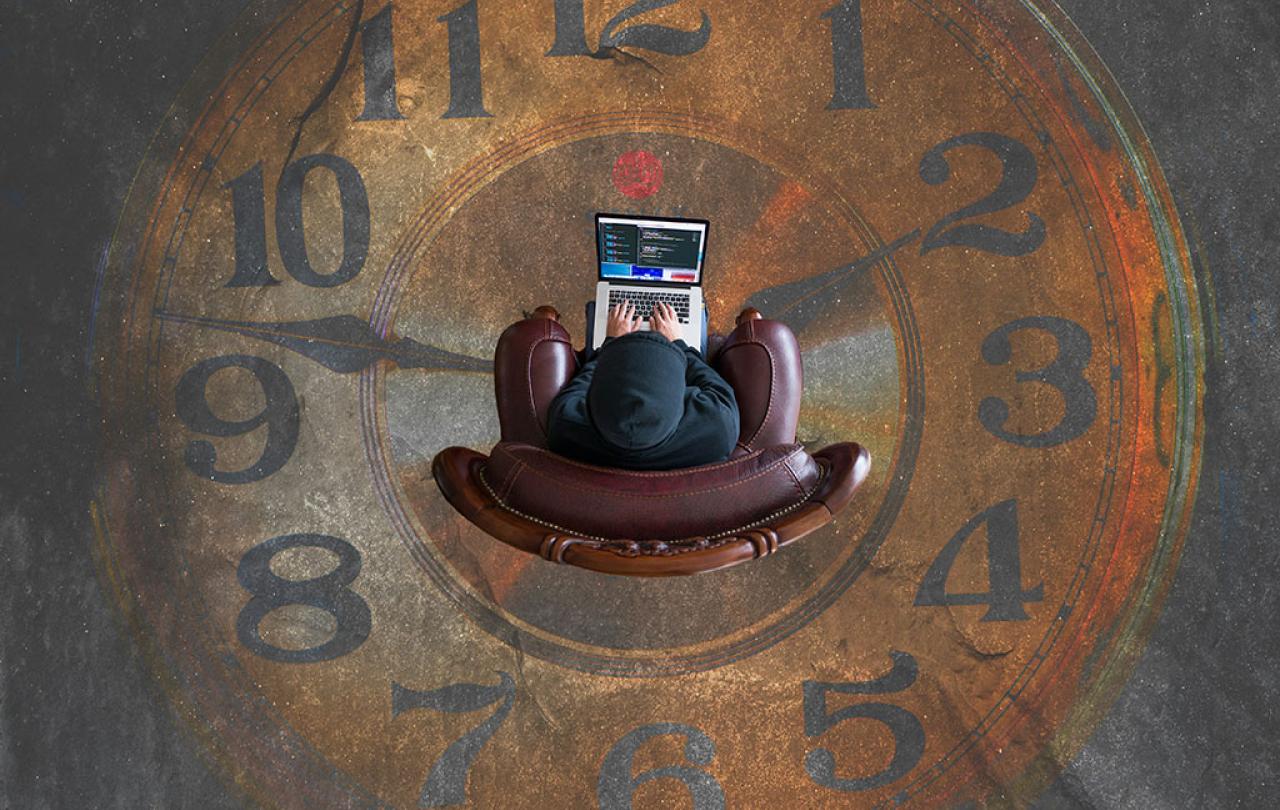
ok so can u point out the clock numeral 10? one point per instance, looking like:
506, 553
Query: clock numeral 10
248, 208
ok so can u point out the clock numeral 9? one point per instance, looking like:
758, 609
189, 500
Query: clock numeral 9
248, 207
280, 414
1065, 373
329, 592
616, 784
1017, 179
446, 784
908, 733
1005, 595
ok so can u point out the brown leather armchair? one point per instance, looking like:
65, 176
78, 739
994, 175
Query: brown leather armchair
769, 493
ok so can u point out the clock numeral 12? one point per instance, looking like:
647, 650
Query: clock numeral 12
446, 783
248, 208
571, 40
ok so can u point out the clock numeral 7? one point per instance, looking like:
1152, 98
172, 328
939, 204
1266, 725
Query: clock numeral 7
446, 784
908, 733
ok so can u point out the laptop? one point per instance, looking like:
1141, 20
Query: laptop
645, 260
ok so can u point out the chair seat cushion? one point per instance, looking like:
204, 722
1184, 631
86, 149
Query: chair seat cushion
603, 503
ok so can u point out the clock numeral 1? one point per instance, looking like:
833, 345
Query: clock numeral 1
248, 209
1005, 595
616, 784
446, 783
848, 62
280, 414
571, 40
908, 733
329, 592
466, 96
379, 69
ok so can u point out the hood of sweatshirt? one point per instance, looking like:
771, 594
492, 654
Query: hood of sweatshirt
636, 397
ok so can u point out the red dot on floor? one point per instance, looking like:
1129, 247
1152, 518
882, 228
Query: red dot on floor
637, 174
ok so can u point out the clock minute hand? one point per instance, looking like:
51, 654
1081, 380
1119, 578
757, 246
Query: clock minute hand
343, 343
799, 303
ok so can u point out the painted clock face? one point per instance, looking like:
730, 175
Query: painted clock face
948, 202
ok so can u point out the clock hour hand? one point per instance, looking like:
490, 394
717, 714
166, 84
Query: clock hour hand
344, 343
799, 303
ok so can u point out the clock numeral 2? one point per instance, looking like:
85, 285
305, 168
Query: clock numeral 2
1005, 596
329, 592
248, 208
616, 784
908, 733
446, 783
571, 40
280, 414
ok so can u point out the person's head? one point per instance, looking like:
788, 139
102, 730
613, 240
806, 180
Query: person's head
636, 396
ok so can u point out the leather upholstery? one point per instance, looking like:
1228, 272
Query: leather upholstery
532, 362
670, 505
761, 360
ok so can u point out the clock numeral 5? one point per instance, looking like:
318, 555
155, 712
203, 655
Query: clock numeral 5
446, 783
248, 208
616, 784
329, 592
908, 733
1005, 595
280, 414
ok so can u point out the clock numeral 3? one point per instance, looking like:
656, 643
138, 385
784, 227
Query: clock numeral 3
446, 784
1066, 373
1017, 179
571, 40
280, 414
616, 784
329, 593
1005, 595
908, 733
248, 208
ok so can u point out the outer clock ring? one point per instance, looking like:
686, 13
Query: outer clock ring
1119, 654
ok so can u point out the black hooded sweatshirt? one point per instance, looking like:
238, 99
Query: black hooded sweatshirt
642, 402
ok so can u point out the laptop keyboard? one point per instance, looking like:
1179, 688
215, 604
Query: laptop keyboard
644, 302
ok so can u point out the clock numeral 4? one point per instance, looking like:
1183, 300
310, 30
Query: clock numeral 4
908, 733
446, 783
330, 593
1005, 595
248, 208
616, 784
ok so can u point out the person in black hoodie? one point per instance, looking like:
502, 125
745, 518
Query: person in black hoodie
645, 400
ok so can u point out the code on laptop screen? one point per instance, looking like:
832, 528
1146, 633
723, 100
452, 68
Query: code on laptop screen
651, 250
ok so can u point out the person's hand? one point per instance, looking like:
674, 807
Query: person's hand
622, 320
664, 322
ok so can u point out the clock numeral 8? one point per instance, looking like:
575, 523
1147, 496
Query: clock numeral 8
908, 733
329, 592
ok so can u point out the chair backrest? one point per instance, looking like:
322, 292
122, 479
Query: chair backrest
709, 501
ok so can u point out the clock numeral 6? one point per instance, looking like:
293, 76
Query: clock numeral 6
280, 414
616, 783
329, 592
1066, 373
1005, 595
908, 733
446, 784
248, 208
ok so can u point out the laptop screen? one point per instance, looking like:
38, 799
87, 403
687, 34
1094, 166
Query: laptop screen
650, 249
